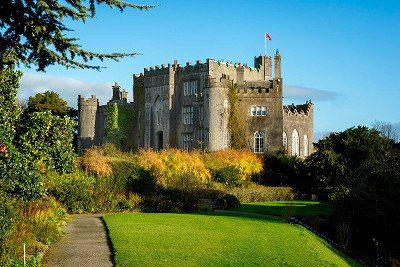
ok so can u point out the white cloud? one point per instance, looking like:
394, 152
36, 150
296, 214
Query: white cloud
67, 88
295, 92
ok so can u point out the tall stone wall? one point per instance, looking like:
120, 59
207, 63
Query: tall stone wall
299, 118
266, 94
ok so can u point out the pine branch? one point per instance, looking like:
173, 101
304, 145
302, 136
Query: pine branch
33, 32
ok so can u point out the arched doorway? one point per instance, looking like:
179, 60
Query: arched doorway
160, 140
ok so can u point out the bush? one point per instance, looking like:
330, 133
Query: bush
230, 176
173, 200
94, 162
175, 168
262, 193
74, 190
39, 224
231, 201
233, 164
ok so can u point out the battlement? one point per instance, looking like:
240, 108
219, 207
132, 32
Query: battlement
92, 101
299, 110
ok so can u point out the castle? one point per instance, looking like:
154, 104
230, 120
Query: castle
188, 107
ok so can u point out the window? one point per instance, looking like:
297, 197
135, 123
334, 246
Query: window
159, 116
295, 143
187, 115
226, 139
258, 142
201, 115
305, 145
187, 141
258, 111
190, 88
285, 140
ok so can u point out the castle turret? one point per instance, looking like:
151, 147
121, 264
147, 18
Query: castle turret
86, 121
264, 64
116, 92
277, 60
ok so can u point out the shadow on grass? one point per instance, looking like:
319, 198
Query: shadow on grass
244, 215
281, 208
109, 241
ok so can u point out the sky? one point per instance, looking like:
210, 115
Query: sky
343, 55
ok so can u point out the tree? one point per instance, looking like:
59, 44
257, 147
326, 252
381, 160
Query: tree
33, 32
386, 129
50, 101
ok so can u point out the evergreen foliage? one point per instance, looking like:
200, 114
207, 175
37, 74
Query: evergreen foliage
34, 32
27, 141
48, 101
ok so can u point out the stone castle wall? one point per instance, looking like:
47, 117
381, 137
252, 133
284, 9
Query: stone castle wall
159, 101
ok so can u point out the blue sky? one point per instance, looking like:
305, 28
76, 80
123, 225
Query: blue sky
344, 55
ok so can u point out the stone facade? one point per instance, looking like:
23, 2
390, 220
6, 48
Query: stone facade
187, 107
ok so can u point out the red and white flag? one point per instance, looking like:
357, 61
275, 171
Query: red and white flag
268, 37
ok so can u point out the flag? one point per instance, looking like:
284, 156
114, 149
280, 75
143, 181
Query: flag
267, 37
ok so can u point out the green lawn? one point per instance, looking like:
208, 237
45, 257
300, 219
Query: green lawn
210, 239
305, 208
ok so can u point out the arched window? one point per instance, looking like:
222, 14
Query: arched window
295, 143
258, 142
305, 145
285, 140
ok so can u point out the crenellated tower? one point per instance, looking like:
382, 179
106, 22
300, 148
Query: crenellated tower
264, 64
87, 109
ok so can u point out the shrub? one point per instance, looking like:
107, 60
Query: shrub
94, 162
74, 190
175, 200
262, 193
231, 201
230, 176
39, 224
244, 162
175, 168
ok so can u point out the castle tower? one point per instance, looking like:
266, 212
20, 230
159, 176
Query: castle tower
264, 64
277, 64
116, 92
86, 121
124, 96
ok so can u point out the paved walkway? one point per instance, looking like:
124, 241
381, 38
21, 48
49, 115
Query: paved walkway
84, 244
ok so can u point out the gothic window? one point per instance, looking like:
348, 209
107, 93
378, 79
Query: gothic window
187, 141
285, 140
258, 142
187, 115
190, 88
226, 139
258, 111
295, 143
159, 116
305, 145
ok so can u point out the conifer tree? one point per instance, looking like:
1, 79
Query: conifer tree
33, 32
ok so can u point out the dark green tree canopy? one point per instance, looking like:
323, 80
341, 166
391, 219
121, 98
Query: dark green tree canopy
32, 32
48, 101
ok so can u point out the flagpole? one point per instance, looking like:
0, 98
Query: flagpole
265, 44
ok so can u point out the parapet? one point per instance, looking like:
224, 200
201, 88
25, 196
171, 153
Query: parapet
92, 101
304, 109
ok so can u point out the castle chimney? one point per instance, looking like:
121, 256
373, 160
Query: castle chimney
277, 64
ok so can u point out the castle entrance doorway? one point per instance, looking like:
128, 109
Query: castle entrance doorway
160, 139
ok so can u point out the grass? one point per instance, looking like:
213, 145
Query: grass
302, 208
209, 239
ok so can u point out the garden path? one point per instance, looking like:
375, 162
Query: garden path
85, 243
